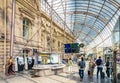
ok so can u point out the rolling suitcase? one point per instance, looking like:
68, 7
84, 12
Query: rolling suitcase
88, 72
118, 75
103, 75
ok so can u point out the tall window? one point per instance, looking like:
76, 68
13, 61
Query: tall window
26, 28
48, 42
58, 44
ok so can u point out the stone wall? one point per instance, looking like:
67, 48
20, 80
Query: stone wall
40, 33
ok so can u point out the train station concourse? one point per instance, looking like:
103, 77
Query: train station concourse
59, 41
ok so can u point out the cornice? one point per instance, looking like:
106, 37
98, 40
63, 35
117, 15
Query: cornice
26, 12
28, 6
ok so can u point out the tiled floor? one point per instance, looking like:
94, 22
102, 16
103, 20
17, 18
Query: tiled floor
61, 78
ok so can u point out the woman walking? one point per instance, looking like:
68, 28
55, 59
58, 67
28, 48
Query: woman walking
70, 64
91, 67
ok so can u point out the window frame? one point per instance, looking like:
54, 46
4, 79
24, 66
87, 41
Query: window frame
26, 28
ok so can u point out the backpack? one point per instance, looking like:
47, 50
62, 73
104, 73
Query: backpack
98, 62
107, 63
82, 64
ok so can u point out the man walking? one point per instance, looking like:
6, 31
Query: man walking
107, 67
99, 63
82, 68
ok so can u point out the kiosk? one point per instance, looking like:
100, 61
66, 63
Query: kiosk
51, 65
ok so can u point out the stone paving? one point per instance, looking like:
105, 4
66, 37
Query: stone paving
65, 77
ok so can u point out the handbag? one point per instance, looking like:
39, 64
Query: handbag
93, 66
88, 72
103, 73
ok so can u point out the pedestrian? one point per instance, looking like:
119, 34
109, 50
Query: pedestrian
81, 65
9, 67
99, 63
107, 67
91, 67
70, 64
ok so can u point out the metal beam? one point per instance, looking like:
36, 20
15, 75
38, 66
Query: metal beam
12, 27
85, 24
98, 16
51, 27
106, 25
90, 14
78, 31
115, 2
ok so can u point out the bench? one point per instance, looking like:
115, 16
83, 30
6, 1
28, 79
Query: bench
45, 70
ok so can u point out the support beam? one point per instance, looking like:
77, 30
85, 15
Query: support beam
90, 14
12, 27
4, 35
86, 25
51, 27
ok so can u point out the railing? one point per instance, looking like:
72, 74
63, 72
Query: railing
47, 8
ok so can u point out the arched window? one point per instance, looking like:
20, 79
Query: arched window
26, 28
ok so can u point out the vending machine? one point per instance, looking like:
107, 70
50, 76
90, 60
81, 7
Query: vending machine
29, 62
19, 63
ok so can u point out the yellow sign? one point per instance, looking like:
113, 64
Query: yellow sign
44, 54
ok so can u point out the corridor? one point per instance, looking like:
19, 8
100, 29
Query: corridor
25, 77
42, 36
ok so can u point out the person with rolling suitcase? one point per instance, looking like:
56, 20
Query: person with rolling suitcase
103, 74
91, 68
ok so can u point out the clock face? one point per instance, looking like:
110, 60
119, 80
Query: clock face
81, 45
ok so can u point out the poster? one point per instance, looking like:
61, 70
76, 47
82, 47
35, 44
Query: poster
55, 58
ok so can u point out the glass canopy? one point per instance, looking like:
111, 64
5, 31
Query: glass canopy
90, 21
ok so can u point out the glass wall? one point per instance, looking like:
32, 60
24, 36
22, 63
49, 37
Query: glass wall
116, 47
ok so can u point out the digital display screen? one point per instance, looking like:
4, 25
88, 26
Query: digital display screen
67, 45
68, 50
72, 48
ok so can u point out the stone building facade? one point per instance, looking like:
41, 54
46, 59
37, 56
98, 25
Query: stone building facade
33, 30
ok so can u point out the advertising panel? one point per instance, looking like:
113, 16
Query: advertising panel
55, 58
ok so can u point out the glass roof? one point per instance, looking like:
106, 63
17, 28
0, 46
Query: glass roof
89, 21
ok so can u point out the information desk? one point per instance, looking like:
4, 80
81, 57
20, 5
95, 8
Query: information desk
50, 69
